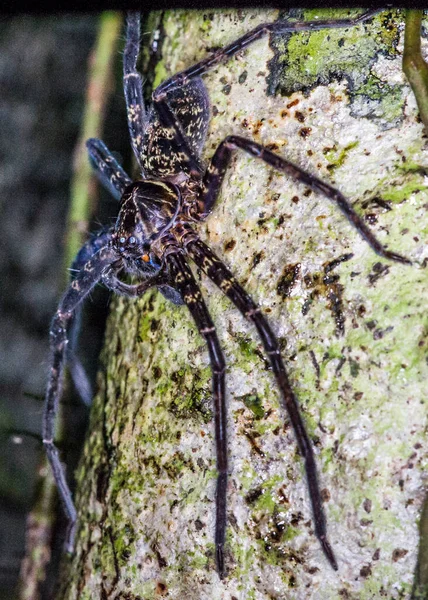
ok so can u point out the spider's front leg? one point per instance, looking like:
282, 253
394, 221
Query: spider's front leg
220, 161
192, 296
109, 171
82, 284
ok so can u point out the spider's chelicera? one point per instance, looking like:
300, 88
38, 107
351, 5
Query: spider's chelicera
154, 235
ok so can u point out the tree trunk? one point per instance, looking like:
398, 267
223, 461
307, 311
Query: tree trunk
336, 103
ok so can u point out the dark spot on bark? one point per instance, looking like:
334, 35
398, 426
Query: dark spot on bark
293, 103
102, 482
287, 280
378, 271
161, 588
229, 245
361, 310
253, 495
371, 218
354, 367
257, 258
365, 571
199, 525
157, 372
243, 77
398, 553
325, 495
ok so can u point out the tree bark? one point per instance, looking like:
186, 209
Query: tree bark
336, 103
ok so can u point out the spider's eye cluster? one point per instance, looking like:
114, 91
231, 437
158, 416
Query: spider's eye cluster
131, 241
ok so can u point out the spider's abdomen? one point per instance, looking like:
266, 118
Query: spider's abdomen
163, 155
148, 209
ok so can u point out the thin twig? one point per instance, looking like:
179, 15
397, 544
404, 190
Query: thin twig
414, 66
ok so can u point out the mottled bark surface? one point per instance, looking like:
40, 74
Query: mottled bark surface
336, 103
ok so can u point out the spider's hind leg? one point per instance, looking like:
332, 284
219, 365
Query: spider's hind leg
223, 278
192, 296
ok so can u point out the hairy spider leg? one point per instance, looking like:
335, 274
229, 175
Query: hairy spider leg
133, 86
84, 281
220, 161
204, 258
223, 54
187, 286
109, 171
78, 374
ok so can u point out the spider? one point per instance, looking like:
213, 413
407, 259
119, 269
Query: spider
155, 234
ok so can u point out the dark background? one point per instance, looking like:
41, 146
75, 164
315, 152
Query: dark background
43, 67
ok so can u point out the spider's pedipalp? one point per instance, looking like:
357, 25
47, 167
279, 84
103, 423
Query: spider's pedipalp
81, 285
221, 159
191, 294
113, 283
204, 258
109, 171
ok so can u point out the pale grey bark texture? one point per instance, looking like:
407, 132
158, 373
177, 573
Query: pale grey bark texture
336, 103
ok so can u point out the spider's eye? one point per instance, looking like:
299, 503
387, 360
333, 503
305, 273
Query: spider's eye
132, 240
122, 240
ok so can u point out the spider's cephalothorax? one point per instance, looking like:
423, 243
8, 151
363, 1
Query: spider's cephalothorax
154, 234
147, 210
